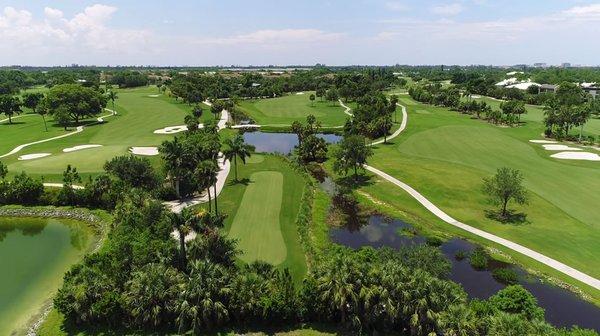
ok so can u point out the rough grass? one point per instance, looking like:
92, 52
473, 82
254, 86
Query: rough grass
256, 224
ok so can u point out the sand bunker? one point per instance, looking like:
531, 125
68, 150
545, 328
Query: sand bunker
147, 151
299, 93
577, 156
33, 156
80, 147
543, 141
560, 148
171, 129
153, 95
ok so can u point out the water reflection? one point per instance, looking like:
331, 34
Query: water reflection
563, 308
28, 228
282, 143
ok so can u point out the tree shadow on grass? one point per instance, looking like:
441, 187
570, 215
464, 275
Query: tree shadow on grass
244, 181
6, 123
511, 217
354, 182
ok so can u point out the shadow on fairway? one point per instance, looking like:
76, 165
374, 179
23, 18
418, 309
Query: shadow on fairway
6, 123
244, 181
512, 217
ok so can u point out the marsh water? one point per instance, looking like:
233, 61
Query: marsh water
563, 308
34, 255
282, 143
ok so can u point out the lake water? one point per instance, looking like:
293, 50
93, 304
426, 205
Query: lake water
563, 308
282, 143
34, 255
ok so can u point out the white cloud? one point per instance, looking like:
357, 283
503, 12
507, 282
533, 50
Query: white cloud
396, 6
52, 13
584, 12
447, 10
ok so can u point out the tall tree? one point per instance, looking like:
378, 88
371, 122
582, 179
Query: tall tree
237, 148
172, 152
312, 99
10, 105
185, 222
74, 101
351, 153
206, 172
33, 101
112, 96
504, 186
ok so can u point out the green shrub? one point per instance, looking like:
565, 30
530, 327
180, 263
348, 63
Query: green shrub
506, 276
479, 259
460, 255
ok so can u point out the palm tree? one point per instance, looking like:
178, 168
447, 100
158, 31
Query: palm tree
112, 96
151, 293
201, 303
207, 175
337, 287
184, 222
237, 148
172, 152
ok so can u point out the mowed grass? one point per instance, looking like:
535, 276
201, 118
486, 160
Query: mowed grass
283, 111
535, 113
262, 209
139, 115
445, 156
256, 224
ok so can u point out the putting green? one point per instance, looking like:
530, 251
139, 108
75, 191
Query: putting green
256, 224
287, 109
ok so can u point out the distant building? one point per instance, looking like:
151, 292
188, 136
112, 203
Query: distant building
548, 88
540, 65
565, 65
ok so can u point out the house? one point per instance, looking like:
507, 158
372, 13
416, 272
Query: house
591, 88
548, 88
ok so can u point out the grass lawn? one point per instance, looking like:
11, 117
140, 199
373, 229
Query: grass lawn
536, 113
256, 224
445, 156
262, 210
139, 115
283, 111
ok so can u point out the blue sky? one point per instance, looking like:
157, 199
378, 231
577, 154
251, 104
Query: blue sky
334, 32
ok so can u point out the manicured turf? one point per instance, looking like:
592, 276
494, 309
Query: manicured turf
445, 156
283, 111
262, 209
256, 224
138, 117
536, 113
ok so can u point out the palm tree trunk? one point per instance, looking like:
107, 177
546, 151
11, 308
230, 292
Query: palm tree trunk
177, 188
45, 126
216, 208
580, 132
182, 247
235, 166
209, 200
10, 118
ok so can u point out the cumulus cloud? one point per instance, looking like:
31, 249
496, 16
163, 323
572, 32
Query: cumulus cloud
25, 37
447, 10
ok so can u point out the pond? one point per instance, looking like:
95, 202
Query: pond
35, 253
563, 308
282, 143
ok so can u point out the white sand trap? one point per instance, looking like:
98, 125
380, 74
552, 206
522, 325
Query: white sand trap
299, 93
543, 141
33, 156
475, 97
577, 156
147, 151
171, 129
153, 96
560, 148
80, 147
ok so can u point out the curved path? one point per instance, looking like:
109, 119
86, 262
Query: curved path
557, 265
79, 129
347, 109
